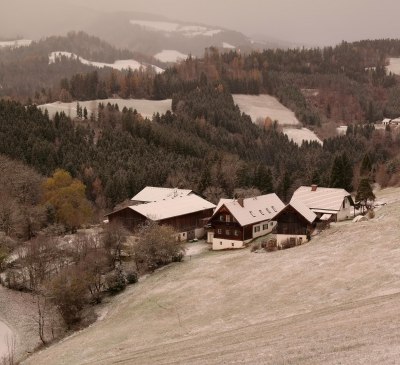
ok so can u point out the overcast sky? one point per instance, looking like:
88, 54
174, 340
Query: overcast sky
310, 22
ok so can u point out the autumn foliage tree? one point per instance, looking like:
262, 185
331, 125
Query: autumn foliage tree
65, 196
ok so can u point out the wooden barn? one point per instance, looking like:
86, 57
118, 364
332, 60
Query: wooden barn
294, 223
186, 213
236, 222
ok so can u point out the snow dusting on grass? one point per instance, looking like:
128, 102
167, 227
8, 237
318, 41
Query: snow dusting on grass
5, 335
145, 107
118, 65
333, 300
394, 66
15, 44
170, 55
185, 30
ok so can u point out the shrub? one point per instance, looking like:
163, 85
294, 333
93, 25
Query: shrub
371, 214
116, 281
132, 277
272, 245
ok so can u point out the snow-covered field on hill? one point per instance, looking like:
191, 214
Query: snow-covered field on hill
262, 106
118, 65
145, 107
15, 44
300, 135
227, 45
170, 55
394, 66
186, 30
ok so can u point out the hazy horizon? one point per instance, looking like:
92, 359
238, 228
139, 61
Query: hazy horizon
312, 22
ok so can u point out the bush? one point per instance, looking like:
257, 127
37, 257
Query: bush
132, 277
255, 247
272, 245
116, 282
371, 214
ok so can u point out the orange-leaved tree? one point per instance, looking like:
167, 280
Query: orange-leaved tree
66, 196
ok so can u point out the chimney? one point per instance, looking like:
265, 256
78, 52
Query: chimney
314, 187
241, 202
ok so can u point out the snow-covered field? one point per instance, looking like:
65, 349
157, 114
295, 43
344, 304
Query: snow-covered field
5, 338
145, 107
118, 65
185, 30
262, 106
170, 55
394, 66
300, 135
227, 45
15, 44
332, 301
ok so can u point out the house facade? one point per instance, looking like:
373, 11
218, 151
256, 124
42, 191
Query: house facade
329, 204
294, 223
186, 214
236, 222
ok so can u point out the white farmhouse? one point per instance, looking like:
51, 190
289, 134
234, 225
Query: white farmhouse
327, 203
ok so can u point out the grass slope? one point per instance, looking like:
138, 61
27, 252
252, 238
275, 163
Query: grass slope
334, 300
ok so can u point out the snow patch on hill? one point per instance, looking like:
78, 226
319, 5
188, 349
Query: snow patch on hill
118, 65
227, 45
15, 44
145, 107
394, 66
300, 135
170, 55
185, 30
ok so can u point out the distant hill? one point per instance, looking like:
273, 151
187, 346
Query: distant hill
150, 34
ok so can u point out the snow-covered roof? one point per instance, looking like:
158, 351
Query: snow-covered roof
172, 207
153, 194
386, 121
324, 200
396, 120
306, 212
256, 209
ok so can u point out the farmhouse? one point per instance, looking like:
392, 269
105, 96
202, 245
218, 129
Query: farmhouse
236, 222
388, 121
153, 194
327, 203
295, 222
186, 213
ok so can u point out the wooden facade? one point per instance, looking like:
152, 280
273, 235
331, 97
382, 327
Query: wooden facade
184, 223
291, 222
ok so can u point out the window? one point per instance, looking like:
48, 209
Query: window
227, 232
251, 213
256, 228
183, 234
227, 218
273, 208
219, 231
222, 218
233, 245
220, 242
344, 203
265, 226
236, 233
261, 212
271, 224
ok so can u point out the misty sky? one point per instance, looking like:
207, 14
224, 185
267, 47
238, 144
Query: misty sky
312, 22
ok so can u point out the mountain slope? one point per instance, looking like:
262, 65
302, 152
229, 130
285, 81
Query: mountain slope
332, 301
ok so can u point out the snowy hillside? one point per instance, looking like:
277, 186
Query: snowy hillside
332, 301
394, 66
118, 65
